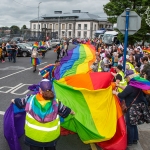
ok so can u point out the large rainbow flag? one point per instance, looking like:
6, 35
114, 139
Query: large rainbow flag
79, 60
98, 117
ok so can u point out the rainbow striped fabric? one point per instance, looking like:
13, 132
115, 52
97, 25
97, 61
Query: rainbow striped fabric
42, 110
146, 50
35, 45
47, 71
35, 61
98, 117
140, 83
79, 60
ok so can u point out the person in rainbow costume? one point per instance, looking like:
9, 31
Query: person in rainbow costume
42, 127
34, 56
42, 48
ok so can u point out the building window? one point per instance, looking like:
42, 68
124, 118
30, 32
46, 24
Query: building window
69, 33
56, 26
63, 26
44, 25
63, 33
70, 26
39, 26
34, 26
79, 26
85, 34
79, 33
95, 27
85, 26
50, 26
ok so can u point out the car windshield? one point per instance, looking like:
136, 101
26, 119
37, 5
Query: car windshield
22, 46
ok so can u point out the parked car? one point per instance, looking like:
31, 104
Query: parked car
23, 51
26, 45
54, 42
17, 39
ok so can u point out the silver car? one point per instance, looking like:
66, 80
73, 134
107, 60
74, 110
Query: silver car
54, 42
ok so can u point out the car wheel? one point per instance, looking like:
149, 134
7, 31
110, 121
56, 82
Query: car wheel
24, 54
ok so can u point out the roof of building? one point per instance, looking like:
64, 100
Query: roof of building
72, 16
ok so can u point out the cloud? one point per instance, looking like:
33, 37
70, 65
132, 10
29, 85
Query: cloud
16, 12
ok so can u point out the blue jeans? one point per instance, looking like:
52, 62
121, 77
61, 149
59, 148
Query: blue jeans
132, 131
9, 55
14, 56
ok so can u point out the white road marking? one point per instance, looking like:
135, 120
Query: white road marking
2, 112
19, 71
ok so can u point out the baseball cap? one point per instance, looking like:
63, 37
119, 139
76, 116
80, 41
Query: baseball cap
128, 73
45, 85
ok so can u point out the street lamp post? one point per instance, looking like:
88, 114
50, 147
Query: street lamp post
38, 18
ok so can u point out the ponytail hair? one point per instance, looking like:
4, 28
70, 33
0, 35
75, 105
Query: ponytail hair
47, 95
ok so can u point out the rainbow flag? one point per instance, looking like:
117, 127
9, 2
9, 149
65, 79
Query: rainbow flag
98, 117
47, 71
79, 60
140, 83
35, 45
146, 50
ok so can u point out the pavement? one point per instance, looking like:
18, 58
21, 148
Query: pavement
144, 138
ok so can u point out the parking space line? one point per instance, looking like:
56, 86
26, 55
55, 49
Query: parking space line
93, 147
20, 71
2, 112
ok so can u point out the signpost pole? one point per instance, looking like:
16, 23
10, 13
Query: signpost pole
126, 37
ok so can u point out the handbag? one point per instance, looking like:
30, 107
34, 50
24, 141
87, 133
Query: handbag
123, 104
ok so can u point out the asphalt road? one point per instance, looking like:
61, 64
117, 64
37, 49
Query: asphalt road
14, 80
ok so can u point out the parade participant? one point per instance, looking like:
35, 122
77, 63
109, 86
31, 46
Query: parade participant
4, 52
34, 59
129, 94
117, 75
48, 71
129, 66
9, 51
57, 49
42, 127
14, 51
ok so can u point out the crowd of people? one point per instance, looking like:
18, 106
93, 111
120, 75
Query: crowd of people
110, 59
9, 49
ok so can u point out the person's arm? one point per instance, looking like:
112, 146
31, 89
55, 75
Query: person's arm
20, 102
127, 91
64, 111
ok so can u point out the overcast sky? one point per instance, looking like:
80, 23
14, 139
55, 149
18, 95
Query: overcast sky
20, 12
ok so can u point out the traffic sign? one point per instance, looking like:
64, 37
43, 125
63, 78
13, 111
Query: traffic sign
134, 22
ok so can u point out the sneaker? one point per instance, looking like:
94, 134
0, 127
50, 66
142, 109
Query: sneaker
135, 141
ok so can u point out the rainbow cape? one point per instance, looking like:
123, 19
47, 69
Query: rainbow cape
140, 83
79, 60
98, 117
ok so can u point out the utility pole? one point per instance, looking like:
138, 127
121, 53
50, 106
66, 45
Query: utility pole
38, 17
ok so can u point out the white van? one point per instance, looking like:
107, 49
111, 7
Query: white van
110, 37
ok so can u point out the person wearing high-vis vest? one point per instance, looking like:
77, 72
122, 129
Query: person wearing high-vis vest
42, 125
120, 73
129, 66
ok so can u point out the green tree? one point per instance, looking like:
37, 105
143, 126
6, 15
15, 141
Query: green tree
115, 7
15, 29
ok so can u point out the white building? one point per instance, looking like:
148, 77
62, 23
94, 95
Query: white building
76, 24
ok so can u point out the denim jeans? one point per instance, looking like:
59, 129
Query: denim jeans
14, 56
132, 131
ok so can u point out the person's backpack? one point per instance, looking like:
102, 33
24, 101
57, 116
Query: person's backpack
34, 53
